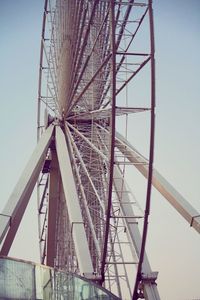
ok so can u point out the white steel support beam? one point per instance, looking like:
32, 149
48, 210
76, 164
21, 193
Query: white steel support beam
149, 284
187, 211
17, 203
73, 206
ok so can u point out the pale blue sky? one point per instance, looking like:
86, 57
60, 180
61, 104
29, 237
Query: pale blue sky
173, 246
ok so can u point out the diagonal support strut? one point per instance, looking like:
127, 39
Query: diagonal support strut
185, 209
13, 212
73, 205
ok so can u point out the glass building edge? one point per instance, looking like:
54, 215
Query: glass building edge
21, 279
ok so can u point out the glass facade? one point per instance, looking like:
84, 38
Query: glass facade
25, 280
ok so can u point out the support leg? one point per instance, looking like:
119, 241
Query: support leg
73, 205
14, 210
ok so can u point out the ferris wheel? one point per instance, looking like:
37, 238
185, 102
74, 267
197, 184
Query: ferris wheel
96, 88
91, 53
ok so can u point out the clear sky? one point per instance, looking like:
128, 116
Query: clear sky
173, 246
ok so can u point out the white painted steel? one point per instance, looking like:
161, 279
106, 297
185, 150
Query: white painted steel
86, 171
88, 141
74, 210
190, 214
105, 113
19, 198
90, 222
150, 287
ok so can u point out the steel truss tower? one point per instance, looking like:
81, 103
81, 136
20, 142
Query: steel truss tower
97, 71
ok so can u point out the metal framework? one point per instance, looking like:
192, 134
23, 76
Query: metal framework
93, 54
